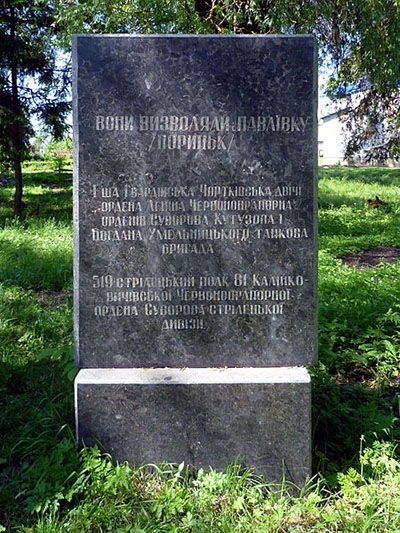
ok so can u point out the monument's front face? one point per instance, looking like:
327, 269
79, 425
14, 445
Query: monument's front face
195, 227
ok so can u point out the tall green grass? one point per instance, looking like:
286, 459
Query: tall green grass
47, 486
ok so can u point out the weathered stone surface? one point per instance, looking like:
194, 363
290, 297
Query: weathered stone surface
195, 200
205, 417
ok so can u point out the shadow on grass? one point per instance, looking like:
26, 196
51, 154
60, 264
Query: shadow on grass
343, 417
37, 447
355, 386
50, 191
53, 203
46, 177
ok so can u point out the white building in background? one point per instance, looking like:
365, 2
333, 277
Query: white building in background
331, 139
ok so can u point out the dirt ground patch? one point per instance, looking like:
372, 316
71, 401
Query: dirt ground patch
372, 257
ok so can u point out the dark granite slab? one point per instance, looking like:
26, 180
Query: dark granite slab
204, 417
195, 200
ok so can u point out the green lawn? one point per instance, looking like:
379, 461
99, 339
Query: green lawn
47, 486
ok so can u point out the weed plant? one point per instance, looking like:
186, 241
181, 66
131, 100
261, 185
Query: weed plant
46, 485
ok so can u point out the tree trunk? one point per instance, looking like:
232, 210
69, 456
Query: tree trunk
16, 130
18, 184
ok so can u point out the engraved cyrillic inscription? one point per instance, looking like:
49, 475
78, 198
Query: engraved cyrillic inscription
172, 123
194, 217
207, 133
200, 297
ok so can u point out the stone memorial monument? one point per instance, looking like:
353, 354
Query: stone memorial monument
195, 251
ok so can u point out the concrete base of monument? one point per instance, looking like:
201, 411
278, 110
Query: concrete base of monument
202, 416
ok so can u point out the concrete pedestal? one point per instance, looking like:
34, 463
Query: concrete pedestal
205, 417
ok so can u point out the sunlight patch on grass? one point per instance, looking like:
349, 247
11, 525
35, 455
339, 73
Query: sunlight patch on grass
36, 254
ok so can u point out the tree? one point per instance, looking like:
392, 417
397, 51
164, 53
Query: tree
360, 39
30, 82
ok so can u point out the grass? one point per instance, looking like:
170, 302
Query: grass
46, 485
359, 310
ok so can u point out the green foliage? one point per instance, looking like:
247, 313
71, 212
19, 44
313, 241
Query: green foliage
58, 152
358, 307
65, 357
38, 144
28, 51
101, 496
137, 16
368, 58
355, 381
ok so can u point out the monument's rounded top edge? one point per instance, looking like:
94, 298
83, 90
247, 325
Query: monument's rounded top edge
195, 35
